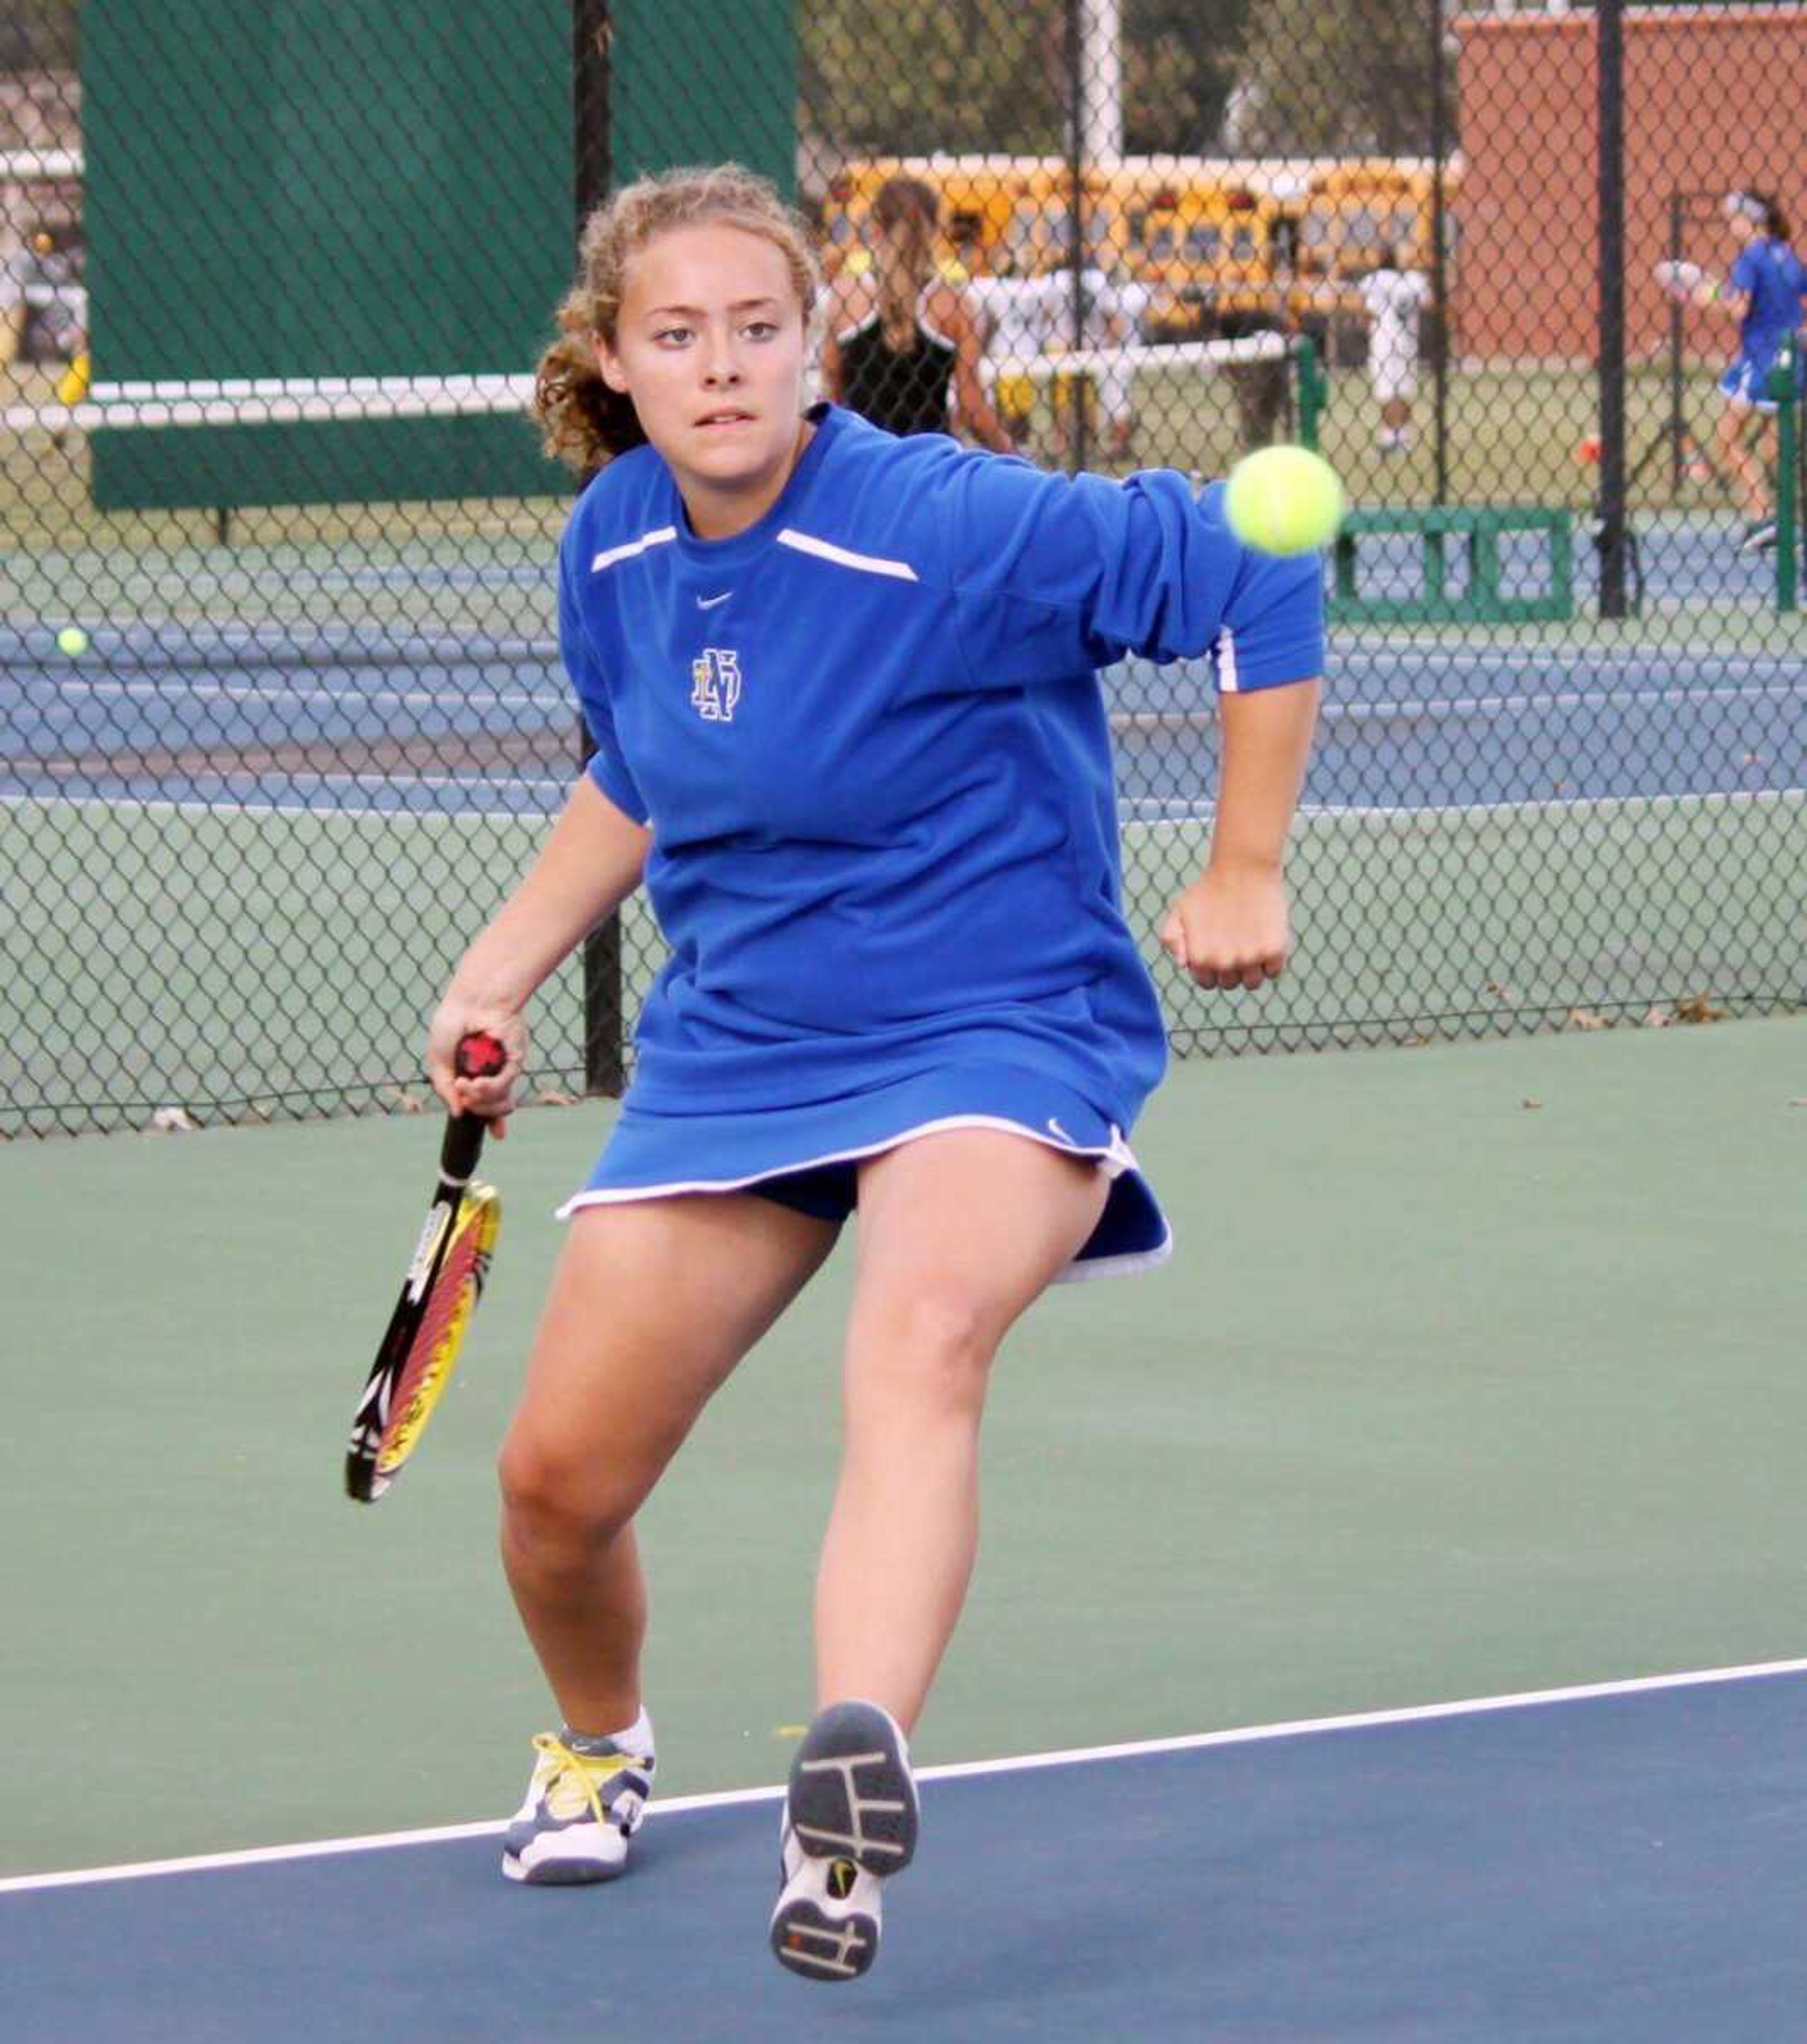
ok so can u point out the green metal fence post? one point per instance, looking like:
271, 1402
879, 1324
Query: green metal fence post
1783, 389
1310, 393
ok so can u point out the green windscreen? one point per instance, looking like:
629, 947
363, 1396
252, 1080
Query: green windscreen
702, 82
372, 191
299, 191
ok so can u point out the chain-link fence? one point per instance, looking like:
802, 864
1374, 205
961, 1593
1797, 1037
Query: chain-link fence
282, 715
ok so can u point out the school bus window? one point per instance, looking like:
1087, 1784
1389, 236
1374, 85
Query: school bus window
1242, 246
1204, 243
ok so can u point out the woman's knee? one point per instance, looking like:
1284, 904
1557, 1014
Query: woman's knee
549, 1497
932, 1350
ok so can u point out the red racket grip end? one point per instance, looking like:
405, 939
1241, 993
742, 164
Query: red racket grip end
479, 1056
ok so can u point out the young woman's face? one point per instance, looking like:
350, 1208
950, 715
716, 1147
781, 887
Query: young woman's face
709, 344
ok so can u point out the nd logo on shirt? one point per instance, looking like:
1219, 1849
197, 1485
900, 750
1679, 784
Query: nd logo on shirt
715, 684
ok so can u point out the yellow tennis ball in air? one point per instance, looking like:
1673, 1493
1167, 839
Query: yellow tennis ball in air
1283, 500
71, 639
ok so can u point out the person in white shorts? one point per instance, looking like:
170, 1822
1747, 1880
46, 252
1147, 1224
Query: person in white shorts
1393, 296
1019, 316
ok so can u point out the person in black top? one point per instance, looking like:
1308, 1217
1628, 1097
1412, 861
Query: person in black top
901, 348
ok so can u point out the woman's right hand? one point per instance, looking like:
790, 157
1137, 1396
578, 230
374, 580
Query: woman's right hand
460, 1016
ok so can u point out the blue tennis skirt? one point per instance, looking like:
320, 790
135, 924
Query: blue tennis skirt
1748, 380
807, 1157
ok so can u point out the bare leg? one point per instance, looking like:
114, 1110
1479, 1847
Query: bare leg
1736, 459
958, 1233
652, 1305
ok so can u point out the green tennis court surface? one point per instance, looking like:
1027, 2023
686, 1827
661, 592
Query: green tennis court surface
1476, 1372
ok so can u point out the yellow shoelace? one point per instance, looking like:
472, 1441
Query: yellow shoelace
588, 1771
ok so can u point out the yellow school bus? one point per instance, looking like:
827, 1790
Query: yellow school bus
981, 200
1202, 237
1353, 213
1350, 216
1199, 235
1039, 237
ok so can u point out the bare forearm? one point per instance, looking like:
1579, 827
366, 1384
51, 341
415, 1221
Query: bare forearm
589, 865
1267, 741
974, 412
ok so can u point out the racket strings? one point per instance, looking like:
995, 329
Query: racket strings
453, 1299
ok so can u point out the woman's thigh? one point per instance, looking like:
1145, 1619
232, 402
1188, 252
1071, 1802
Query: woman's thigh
652, 1304
959, 1232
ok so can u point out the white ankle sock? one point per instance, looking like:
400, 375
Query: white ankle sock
636, 1737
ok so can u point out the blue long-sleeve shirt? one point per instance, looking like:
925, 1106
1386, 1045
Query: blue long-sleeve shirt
868, 738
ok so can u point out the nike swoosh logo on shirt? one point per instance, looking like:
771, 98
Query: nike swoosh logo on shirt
709, 602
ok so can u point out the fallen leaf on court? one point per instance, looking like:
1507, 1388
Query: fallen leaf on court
1585, 1018
1657, 1018
173, 1121
404, 1102
1698, 1007
1528, 1102
551, 1096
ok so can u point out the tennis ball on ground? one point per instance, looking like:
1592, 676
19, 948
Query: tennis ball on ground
71, 639
1283, 500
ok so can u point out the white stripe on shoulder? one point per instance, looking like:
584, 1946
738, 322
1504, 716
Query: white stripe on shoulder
610, 555
825, 550
854, 332
1226, 678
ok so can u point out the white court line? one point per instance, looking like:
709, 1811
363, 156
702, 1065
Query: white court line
1436, 813
287, 695
248, 806
1200, 809
961, 1770
1142, 723
1567, 650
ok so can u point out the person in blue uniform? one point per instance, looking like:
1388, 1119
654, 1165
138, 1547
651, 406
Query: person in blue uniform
1763, 293
849, 738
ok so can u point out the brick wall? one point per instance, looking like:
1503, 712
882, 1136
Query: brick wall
1714, 97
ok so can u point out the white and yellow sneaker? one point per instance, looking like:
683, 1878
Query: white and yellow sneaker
850, 1819
581, 1808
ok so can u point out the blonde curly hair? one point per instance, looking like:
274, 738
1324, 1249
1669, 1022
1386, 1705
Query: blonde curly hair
583, 422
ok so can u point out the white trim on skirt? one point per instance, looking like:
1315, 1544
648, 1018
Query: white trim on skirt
1114, 1159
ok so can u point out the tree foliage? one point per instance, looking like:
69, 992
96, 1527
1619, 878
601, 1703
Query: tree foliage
39, 36
1335, 77
916, 77
919, 76
1179, 67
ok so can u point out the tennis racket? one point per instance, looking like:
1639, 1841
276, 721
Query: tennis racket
444, 1281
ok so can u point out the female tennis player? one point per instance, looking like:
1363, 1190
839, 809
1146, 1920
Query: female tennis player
901, 349
1764, 294
849, 734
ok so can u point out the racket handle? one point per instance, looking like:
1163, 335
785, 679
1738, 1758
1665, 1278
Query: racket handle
478, 1056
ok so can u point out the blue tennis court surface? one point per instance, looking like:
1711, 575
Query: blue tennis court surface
331, 720
1614, 1864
